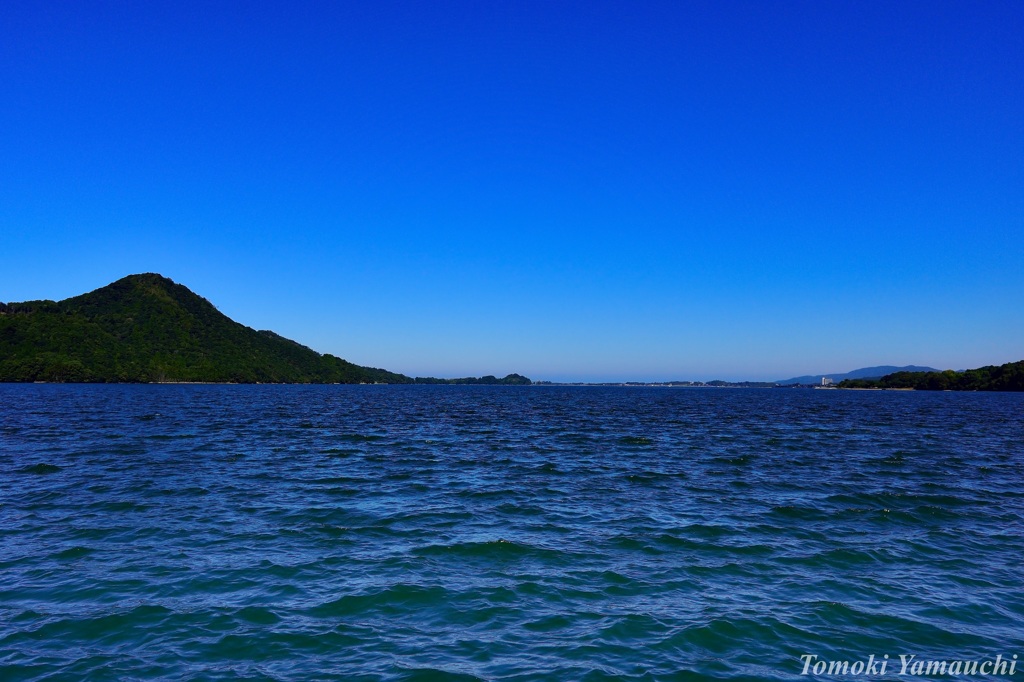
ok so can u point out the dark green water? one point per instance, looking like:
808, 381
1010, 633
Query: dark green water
534, 533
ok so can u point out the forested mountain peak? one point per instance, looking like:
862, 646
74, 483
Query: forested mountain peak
147, 327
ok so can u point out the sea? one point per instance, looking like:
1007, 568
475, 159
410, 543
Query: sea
242, 532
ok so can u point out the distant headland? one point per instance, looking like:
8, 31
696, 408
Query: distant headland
1007, 377
148, 329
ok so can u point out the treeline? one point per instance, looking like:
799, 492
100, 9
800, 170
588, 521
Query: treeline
146, 328
741, 384
1008, 377
488, 380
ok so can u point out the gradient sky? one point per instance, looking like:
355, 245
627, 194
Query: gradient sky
569, 190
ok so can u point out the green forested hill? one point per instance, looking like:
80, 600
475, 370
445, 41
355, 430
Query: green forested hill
1008, 377
147, 328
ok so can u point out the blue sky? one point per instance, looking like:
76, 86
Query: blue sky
570, 190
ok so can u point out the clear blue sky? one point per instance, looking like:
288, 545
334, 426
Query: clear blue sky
570, 190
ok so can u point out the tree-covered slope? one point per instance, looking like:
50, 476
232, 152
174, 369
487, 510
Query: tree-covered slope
148, 328
1008, 377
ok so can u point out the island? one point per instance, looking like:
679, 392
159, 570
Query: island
149, 329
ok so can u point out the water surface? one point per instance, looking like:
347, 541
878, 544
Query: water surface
502, 533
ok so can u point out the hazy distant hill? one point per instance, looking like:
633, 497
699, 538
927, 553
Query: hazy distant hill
862, 373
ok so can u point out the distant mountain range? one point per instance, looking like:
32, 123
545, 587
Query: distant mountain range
147, 328
862, 373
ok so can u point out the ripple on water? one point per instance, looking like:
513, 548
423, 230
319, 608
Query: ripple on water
501, 533
41, 468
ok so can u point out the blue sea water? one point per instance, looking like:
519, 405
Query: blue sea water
503, 533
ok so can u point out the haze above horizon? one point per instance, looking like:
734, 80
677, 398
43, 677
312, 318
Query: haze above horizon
574, 192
